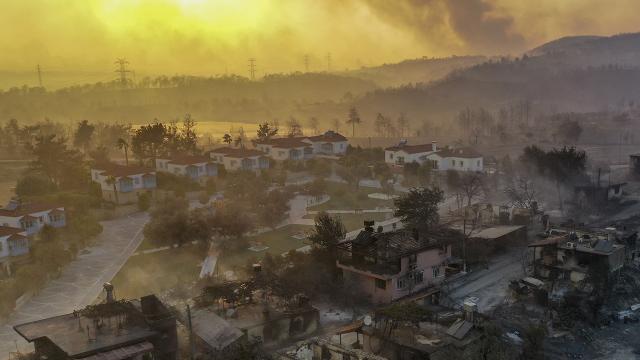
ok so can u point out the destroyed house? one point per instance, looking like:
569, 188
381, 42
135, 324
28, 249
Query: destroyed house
389, 266
577, 257
114, 330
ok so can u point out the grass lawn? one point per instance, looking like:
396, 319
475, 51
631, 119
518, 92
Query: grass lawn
356, 221
279, 241
169, 269
346, 197
10, 171
147, 274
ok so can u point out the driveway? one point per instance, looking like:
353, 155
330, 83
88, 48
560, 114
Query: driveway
81, 281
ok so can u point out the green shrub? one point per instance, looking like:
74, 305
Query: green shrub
144, 201
33, 184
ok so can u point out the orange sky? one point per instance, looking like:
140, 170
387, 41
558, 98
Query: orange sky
217, 36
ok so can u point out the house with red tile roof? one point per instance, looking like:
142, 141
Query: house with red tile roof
31, 217
240, 158
286, 148
329, 143
303, 147
459, 159
14, 244
123, 184
199, 168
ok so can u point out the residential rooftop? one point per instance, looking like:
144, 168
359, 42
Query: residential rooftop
237, 152
17, 209
285, 142
7, 231
115, 170
187, 159
329, 136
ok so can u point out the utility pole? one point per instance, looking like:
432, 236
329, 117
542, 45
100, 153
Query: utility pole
122, 71
39, 75
306, 63
328, 61
252, 68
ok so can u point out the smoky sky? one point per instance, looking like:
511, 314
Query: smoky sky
217, 36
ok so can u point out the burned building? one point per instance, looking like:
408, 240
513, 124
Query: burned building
389, 266
114, 330
578, 257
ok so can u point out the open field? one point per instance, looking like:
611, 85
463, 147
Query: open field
346, 197
10, 170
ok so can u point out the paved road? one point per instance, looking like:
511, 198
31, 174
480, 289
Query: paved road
81, 281
490, 285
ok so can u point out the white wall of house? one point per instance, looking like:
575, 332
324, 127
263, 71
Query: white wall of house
165, 165
35, 221
137, 182
337, 147
13, 248
456, 163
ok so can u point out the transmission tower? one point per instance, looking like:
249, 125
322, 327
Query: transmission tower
328, 61
252, 68
122, 71
39, 75
306, 63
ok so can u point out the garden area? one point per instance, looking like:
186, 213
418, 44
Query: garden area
346, 197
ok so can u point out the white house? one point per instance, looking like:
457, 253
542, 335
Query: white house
31, 217
239, 158
123, 184
404, 154
459, 159
14, 243
287, 148
197, 167
329, 143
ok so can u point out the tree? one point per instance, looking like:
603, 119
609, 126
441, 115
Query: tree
294, 127
149, 140
569, 131
532, 348
124, 145
112, 181
227, 139
313, 124
471, 185
380, 124
231, 223
327, 233
266, 131
63, 166
418, 209
83, 134
522, 193
34, 184
273, 208
188, 137
353, 119
402, 123
173, 223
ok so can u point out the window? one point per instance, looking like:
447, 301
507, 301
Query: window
453, 163
478, 163
413, 259
0, 247
280, 153
418, 277
391, 156
461, 163
401, 283
233, 163
41, 219
136, 181
381, 284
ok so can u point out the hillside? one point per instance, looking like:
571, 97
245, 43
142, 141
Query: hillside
590, 74
423, 70
166, 98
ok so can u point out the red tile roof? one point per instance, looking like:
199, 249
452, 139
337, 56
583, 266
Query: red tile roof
464, 152
7, 230
329, 136
189, 159
286, 142
17, 237
116, 170
26, 209
237, 152
412, 149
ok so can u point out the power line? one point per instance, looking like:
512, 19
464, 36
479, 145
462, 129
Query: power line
252, 68
39, 75
306, 63
122, 70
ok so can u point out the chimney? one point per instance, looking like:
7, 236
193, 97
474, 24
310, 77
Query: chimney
108, 288
434, 146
